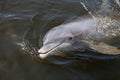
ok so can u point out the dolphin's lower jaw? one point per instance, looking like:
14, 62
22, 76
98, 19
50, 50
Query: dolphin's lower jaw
46, 51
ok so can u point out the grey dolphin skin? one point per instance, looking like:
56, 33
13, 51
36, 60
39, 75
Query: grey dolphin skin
80, 35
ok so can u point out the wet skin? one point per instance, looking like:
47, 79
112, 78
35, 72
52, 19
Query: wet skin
80, 35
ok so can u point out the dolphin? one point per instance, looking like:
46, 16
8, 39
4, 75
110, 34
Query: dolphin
81, 35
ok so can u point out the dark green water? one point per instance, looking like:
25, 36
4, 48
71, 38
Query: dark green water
16, 16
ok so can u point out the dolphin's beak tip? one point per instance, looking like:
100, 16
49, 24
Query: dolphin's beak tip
40, 51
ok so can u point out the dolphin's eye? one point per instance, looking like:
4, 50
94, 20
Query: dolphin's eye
70, 38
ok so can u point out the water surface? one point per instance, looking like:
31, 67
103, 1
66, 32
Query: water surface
17, 16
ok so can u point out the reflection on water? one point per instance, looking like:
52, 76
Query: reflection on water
15, 18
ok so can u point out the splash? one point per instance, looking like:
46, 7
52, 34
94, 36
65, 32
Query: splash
106, 14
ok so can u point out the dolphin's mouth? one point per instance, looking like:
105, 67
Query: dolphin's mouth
49, 52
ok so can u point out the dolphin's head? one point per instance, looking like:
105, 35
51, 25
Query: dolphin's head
55, 42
